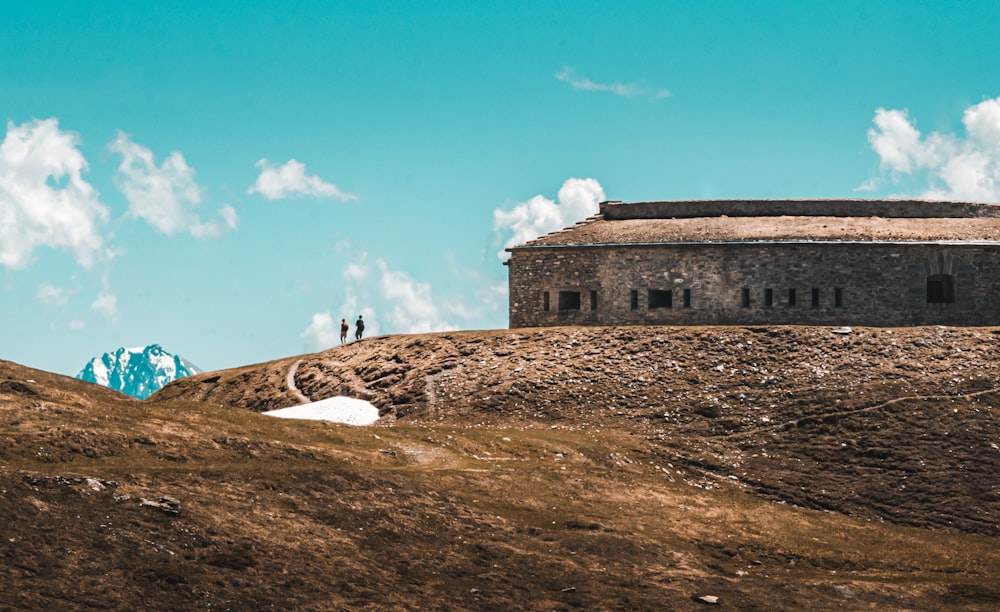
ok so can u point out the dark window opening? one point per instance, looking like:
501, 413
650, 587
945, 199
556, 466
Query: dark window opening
815, 297
838, 297
941, 289
745, 298
687, 298
659, 298
569, 300
769, 297
593, 300
545, 301
633, 299
791, 297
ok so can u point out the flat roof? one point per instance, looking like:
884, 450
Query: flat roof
625, 224
925, 209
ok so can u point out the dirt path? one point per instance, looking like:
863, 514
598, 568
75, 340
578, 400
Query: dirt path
291, 384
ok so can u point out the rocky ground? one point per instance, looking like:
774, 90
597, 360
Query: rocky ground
893, 424
564, 468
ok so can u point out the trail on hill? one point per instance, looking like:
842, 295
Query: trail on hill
290, 381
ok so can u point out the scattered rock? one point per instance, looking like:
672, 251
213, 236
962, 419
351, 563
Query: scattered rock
94, 484
16, 388
168, 505
707, 599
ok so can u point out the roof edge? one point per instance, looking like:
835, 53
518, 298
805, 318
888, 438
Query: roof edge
792, 242
683, 209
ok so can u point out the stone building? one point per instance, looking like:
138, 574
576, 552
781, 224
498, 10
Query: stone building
738, 262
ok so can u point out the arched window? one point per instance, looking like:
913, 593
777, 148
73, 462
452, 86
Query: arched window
940, 289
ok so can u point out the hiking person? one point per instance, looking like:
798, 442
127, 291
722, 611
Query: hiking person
359, 328
343, 330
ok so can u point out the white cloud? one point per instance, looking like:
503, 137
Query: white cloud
44, 201
279, 182
983, 123
322, 333
164, 196
229, 216
949, 167
357, 271
76, 325
357, 299
52, 295
495, 296
896, 141
397, 301
869, 185
627, 90
324, 329
411, 304
578, 199
106, 303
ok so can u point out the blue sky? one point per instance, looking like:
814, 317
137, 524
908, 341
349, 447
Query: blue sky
230, 179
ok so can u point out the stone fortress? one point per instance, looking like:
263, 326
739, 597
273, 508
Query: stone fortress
776, 262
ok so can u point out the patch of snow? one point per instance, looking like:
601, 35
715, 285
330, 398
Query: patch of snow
338, 409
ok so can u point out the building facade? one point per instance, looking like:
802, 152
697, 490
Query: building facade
811, 262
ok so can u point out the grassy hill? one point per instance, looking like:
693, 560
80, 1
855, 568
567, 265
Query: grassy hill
565, 468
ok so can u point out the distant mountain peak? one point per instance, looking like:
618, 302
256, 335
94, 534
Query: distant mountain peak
138, 371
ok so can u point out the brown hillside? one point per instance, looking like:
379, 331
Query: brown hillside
887, 424
627, 468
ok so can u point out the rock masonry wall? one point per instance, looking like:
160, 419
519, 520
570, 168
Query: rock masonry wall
838, 284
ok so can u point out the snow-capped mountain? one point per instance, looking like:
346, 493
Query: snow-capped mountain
138, 372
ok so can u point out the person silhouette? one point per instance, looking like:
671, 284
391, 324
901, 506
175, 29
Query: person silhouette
359, 328
343, 330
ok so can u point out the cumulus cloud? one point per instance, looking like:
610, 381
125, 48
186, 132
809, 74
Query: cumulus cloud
290, 179
106, 303
411, 303
947, 165
577, 200
322, 332
44, 201
164, 196
357, 299
628, 90
396, 301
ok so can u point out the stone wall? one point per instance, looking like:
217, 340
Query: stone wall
878, 284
